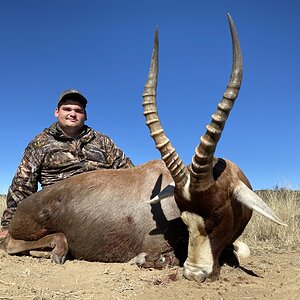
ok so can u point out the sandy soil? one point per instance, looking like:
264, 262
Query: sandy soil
266, 274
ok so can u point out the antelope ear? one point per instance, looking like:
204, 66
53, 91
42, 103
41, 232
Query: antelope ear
166, 192
247, 197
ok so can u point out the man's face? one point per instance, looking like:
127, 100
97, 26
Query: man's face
71, 115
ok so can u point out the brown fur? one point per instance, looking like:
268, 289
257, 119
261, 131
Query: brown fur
104, 215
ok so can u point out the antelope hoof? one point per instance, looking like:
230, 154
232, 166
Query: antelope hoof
58, 258
195, 274
200, 273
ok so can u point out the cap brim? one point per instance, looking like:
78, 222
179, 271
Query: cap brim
75, 97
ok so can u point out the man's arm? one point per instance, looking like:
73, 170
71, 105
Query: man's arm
117, 156
25, 182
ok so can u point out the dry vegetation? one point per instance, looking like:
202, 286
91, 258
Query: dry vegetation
260, 231
2, 203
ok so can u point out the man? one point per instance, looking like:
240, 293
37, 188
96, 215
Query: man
68, 147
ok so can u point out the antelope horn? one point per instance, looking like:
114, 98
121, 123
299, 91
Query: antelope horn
165, 193
202, 162
247, 197
168, 153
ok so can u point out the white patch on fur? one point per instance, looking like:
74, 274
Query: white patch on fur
241, 249
199, 264
139, 260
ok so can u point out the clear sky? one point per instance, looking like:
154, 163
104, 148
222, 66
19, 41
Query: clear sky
103, 48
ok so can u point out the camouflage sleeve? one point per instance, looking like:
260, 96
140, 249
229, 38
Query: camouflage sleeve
116, 155
25, 182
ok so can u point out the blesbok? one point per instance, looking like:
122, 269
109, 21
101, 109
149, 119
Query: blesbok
120, 215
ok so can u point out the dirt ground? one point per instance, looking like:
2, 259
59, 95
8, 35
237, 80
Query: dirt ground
266, 274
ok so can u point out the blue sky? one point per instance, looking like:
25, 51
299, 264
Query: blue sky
103, 48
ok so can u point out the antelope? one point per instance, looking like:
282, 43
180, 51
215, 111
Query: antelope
156, 214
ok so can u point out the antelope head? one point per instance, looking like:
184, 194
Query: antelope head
214, 196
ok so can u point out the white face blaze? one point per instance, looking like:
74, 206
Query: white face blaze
199, 263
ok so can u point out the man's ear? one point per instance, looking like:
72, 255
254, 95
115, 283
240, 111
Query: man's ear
56, 112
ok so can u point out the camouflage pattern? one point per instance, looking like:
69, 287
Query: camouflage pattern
52, 156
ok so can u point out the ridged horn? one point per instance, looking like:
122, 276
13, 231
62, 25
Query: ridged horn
168, 153
202, 162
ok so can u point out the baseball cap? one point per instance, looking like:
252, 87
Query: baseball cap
72, 94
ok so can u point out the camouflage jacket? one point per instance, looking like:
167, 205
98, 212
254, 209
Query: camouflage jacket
52, 156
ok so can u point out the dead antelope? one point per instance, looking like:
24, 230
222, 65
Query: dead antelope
120, 216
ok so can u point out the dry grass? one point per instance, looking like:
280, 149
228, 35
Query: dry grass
2, 203
285, 203
260, 231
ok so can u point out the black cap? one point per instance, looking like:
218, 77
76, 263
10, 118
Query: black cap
72, 94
